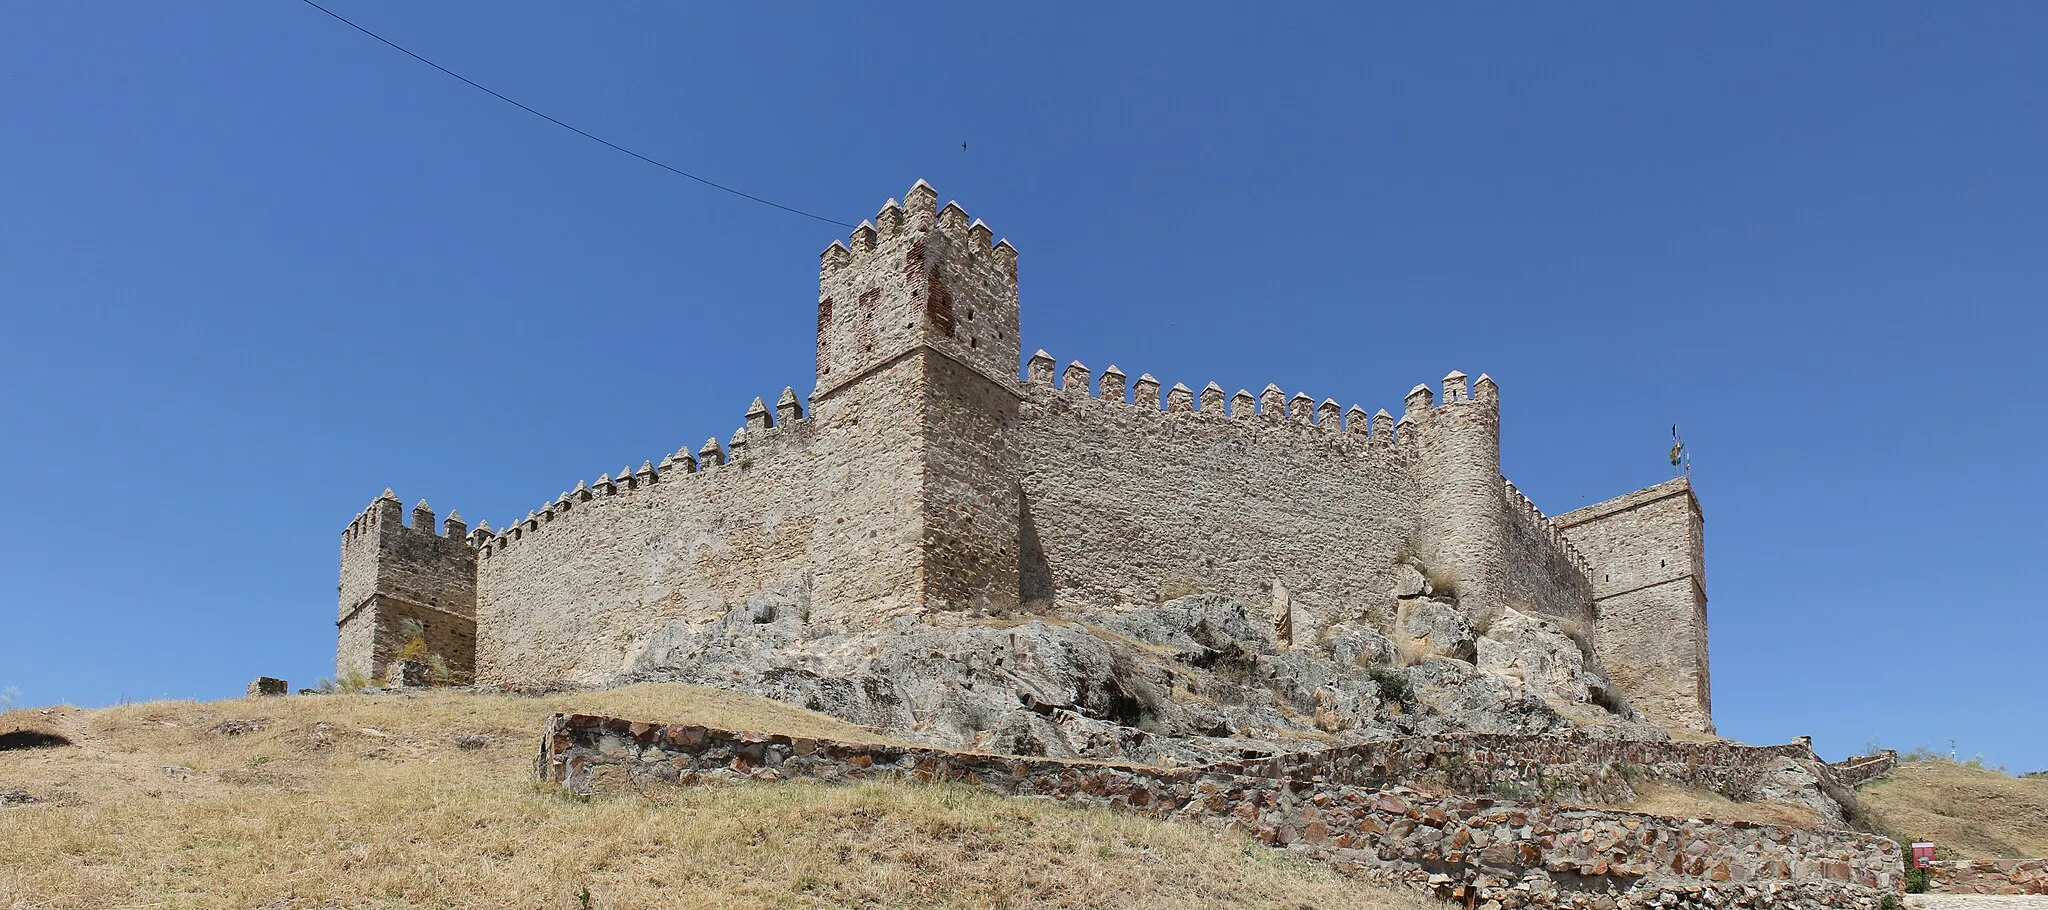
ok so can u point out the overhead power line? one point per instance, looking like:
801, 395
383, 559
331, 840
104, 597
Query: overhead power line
580, 132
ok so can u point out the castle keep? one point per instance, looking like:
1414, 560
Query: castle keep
922, 481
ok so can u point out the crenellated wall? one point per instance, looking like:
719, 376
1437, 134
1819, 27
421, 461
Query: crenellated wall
927, 479
564, 592
1282, 503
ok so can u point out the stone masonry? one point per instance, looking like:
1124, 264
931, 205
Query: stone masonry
1331, 807
923, 482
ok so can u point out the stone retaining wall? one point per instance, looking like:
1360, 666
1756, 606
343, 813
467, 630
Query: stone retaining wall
1557, 768
1477, 850
1857, 770
1990, 876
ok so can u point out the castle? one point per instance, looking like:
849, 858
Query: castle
921, 481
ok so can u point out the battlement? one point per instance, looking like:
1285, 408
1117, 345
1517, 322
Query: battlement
387, 513
921, 477
917, 277
402, 582
1420, 409
761, 436
1526, 511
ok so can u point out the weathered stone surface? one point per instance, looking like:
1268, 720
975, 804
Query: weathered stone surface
1536, 651
1457, 847
263, 686
1989, 876
408, 673
927, 491
1437, 629
1195, 679
1647, 565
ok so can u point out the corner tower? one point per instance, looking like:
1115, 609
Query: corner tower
1647, 553
918, 396
397, 582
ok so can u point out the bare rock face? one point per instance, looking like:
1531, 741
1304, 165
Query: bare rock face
1437, 629
1195, 679
1536, 651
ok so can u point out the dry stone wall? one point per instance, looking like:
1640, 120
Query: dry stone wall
1569, 768
1989, 876
1857, 770
1478, 850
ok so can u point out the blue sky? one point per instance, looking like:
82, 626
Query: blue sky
254, 268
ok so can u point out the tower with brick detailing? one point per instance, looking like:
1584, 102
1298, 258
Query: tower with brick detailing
917, 385
924, 482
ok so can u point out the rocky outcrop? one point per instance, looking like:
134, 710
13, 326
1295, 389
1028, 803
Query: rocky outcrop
1193, 680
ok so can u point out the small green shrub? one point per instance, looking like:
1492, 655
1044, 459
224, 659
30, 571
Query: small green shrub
1916, 878
1393, 685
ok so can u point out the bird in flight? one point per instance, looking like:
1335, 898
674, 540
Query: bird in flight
963, 146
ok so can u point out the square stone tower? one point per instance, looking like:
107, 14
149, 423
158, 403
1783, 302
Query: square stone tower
395, 579
1647, 557
917, 404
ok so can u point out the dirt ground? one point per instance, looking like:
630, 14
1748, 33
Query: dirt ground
1978, 902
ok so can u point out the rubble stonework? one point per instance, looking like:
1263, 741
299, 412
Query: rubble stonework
1989, 876
1481, 851
924, 484
1857, 770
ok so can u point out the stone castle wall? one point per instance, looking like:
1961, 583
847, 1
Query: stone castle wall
1465, 848
1284, 505
1131, 504
928, 479
564, 593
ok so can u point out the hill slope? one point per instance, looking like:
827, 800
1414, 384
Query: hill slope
427, 801
1969, 813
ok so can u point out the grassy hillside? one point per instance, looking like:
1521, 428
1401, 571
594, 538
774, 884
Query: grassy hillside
1969, 813
427, 801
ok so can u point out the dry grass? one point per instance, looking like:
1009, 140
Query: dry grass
358, 802
1656, 798
1969, 813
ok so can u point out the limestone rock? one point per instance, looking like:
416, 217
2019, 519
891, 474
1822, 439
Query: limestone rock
1363, 647
1536, 650
1199, 678
263, 686
1436, 628
1408, 581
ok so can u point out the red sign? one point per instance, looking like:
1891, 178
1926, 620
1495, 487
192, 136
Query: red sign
1923, 854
